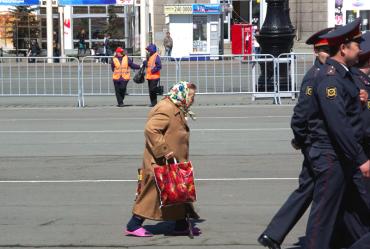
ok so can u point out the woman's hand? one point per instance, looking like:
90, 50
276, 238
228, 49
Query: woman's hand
169, 155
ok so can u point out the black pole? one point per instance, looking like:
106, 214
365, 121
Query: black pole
275, 37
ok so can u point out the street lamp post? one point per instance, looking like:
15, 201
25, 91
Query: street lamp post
275, 37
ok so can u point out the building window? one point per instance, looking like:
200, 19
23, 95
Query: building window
199, 33
351, 15
80, 10
365, 16
98, 27
98, 10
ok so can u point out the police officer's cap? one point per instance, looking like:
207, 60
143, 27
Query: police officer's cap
365, 47
316, 40
344, 34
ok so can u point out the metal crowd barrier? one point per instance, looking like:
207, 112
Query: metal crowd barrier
260, 75
97, 76
35, 76
291, 68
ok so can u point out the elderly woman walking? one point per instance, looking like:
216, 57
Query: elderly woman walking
167, 138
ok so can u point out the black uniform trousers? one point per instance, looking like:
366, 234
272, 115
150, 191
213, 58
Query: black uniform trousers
295, 206
329, 188
363, 243
353, 221
152, 86
120, 89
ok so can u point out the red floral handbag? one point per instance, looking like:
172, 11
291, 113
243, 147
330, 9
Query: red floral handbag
175, 183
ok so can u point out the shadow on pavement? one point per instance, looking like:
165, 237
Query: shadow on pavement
166, 227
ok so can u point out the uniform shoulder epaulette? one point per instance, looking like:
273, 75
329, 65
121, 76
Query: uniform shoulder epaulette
317, 71
331, 70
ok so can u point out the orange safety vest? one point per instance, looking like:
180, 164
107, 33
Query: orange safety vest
121, 69
151, 65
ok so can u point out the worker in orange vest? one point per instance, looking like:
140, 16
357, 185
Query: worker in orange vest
121, 65
153, 72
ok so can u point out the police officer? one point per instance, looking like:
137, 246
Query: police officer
361, 74
121, 65
298, 202
335, 132
355, 218
153, 72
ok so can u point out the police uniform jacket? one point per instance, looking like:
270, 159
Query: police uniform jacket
363, 82
166, 130
336, 120
299, 122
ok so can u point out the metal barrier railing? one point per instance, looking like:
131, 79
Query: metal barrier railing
291, 68
97, 75
34, 76
260, 75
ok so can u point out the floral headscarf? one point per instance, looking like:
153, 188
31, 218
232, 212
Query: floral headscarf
179, 95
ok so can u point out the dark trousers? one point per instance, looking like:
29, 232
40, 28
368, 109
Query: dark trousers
327, 196
120, 89
353, 221
295, 206
152, 86
363, 243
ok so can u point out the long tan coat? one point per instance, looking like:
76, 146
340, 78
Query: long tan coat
166, 130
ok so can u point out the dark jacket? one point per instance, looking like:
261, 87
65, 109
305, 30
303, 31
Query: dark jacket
363, 82
299, 122
336, 118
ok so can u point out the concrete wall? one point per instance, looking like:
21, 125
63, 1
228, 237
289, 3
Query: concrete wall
308, 16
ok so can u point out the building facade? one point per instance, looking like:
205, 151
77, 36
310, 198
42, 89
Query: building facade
307, 16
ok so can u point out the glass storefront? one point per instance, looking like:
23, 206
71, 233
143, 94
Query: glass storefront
17, 29
95, 20
365, 16
199, 33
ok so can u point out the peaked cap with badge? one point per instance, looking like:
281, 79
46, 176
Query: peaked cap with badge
344, 34
315, 39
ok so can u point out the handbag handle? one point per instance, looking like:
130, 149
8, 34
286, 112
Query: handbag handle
174, 159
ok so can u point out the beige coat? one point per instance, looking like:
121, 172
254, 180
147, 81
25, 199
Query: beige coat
166, 130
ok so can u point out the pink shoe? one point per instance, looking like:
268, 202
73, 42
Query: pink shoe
196, 232
140, 232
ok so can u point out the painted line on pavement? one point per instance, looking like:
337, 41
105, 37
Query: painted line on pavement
121, 180
132, 118
141, 131
140, 107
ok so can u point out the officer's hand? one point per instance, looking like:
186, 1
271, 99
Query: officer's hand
363, 96
365, 169
295, 145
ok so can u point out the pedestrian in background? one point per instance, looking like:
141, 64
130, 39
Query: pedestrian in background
168, 44
107, 47
153, 72
166, 138
33, 51
121, 65
1, 54
56, 50
81, 43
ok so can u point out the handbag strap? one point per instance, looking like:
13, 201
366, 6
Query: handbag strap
174, 159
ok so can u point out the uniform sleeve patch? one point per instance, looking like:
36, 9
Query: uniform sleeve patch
331, 92
309, 90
